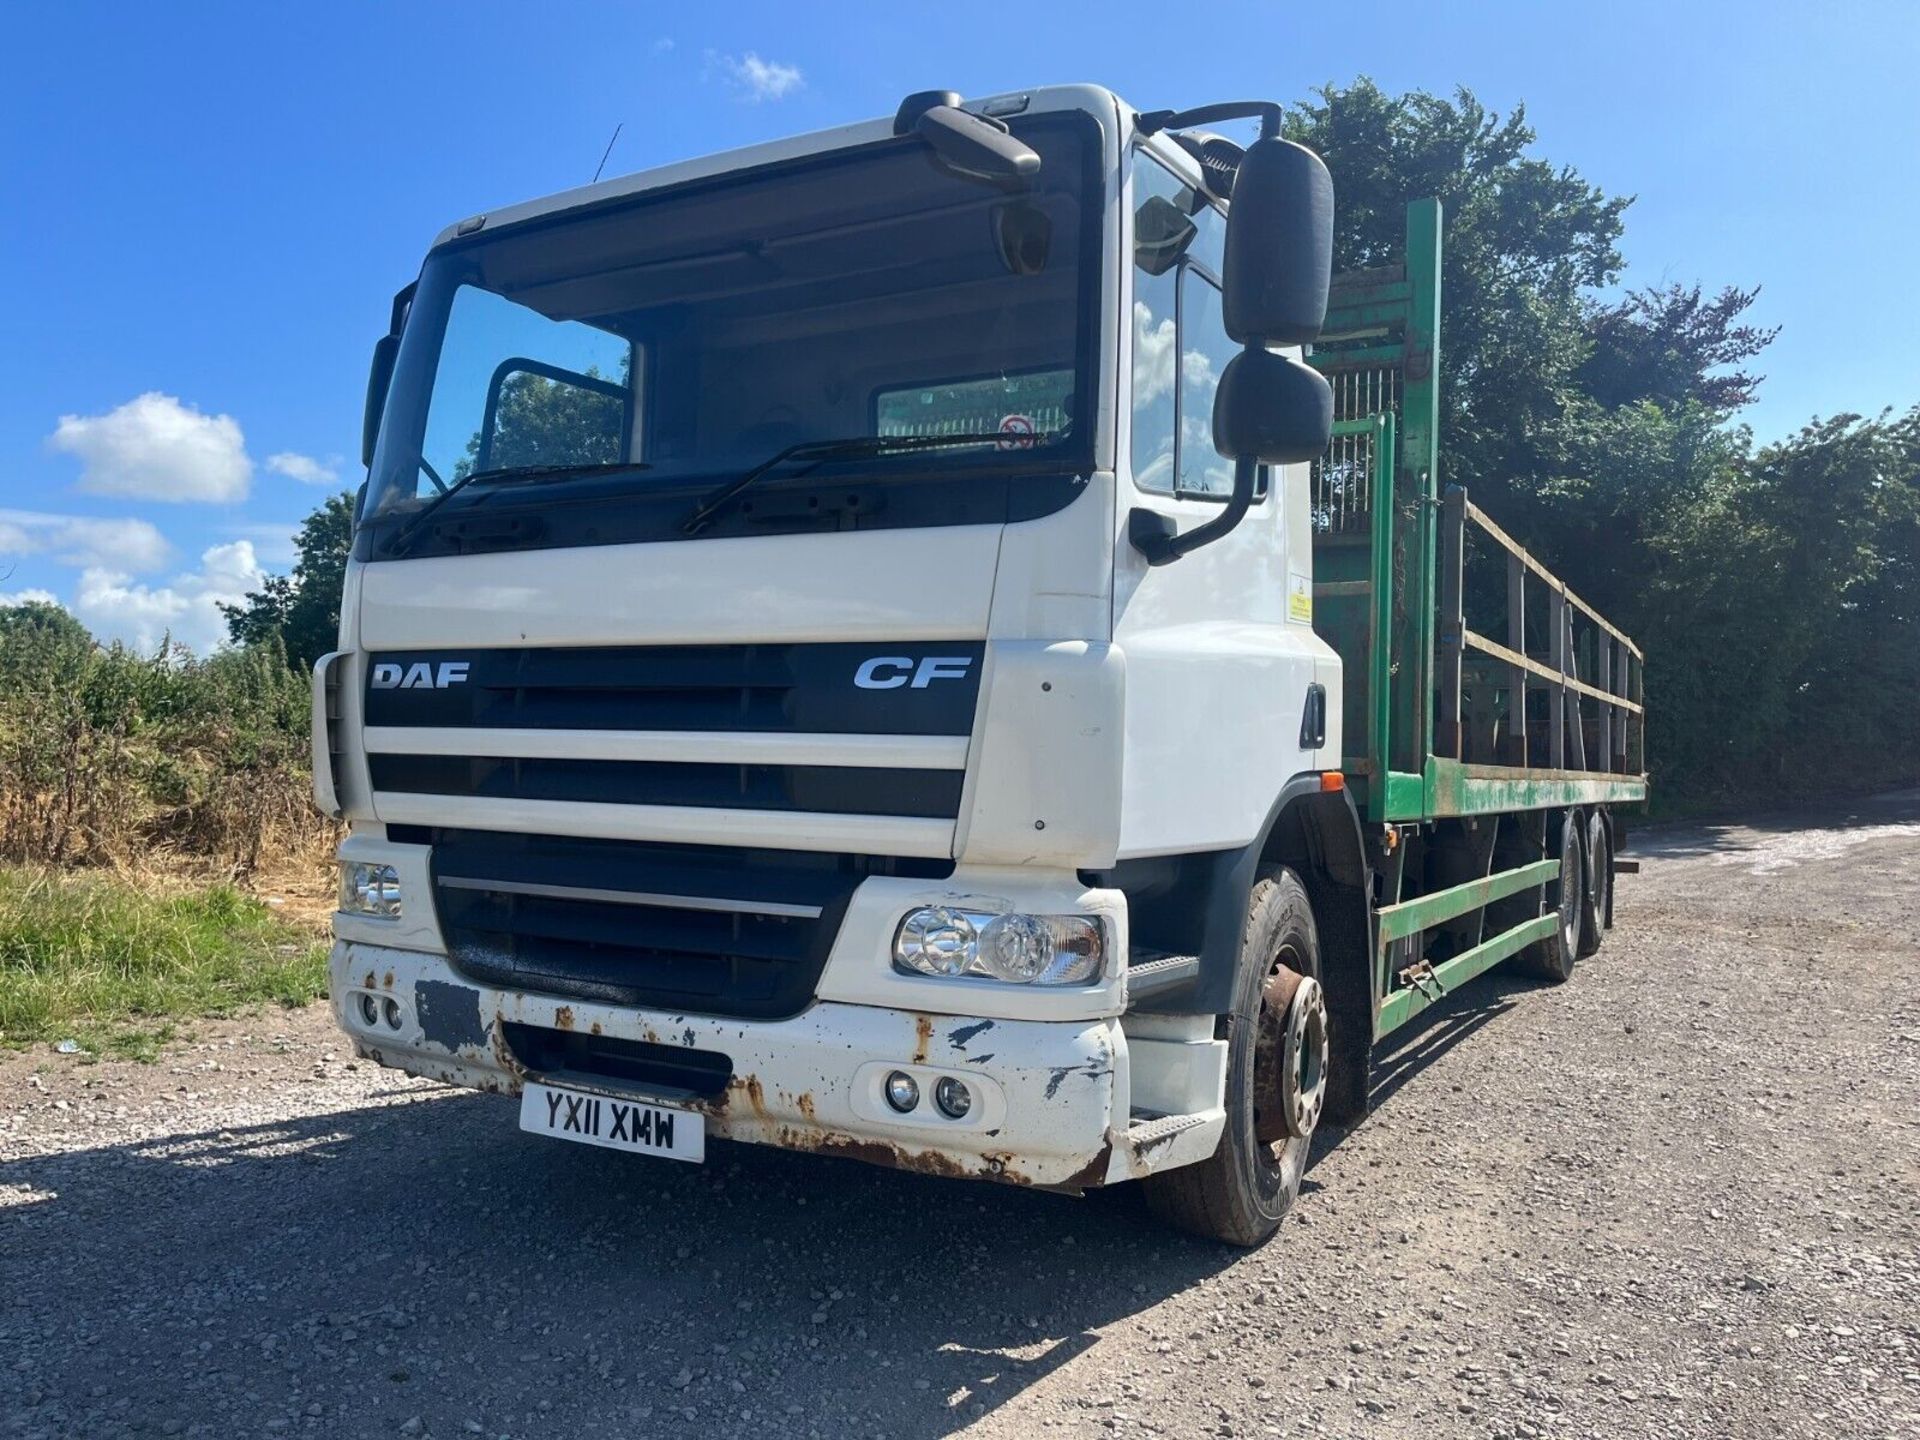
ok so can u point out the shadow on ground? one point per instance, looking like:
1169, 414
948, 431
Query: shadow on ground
427, 1259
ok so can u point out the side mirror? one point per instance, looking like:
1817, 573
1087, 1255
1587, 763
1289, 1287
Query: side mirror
1279, 258
1267, 410
1024, 234
1271, 410
1278, 268
1162, 233
380, 377
977, 148
385, 350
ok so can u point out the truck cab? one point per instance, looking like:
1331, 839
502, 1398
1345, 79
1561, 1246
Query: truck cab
828, 661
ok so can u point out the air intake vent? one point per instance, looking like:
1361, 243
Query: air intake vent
693, 929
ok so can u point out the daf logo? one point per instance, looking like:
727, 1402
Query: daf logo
419, 675
890, 672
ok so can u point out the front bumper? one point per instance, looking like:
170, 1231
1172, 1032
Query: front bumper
1051, 1095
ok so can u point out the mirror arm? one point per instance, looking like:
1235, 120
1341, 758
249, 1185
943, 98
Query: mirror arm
1152, 122
1154, 536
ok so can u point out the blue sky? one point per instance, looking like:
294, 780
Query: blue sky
209, 205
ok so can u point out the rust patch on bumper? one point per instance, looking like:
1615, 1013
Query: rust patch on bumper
923, 1037
997, 1167
749, 1086
563, 1018
1090, 1176
503, 1052
876, 1152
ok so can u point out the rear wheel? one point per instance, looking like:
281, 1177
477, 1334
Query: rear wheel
1277, 1064
1552, 958
1597, 908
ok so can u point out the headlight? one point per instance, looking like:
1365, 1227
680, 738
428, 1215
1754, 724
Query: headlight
1001, 945
369, 889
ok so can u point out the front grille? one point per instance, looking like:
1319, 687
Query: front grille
687, 928
759, 688
832, 789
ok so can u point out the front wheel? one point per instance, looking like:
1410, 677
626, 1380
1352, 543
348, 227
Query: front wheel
1277, 1063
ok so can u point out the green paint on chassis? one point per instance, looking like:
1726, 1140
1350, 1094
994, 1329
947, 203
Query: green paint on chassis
1449, 731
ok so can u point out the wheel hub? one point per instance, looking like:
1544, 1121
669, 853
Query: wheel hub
1290, 1058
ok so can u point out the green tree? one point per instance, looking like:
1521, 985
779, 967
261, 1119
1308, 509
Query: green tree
549, 422
36, 623
1526, 243
1795, 638
1775, 589
301, 612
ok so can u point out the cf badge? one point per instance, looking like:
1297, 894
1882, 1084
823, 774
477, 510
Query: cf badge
890, 672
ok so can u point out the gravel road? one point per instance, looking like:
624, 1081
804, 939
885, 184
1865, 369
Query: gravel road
1679, 1196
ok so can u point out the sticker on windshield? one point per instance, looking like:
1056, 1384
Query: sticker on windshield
1016, 433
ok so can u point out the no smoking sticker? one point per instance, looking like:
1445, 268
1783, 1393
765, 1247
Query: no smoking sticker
1017, 432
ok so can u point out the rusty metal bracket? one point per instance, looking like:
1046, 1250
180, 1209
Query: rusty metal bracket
1421, 977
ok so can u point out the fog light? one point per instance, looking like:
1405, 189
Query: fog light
1001, 944
903, 1091
390, 1008
953, 1097
369, 889
369, 1010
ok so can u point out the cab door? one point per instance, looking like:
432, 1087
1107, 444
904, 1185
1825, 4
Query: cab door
1220, 650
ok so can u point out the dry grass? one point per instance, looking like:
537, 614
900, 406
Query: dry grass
160, 858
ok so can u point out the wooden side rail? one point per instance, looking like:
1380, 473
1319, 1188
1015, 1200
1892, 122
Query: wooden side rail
1615, 662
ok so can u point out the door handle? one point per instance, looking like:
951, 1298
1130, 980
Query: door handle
1313, 723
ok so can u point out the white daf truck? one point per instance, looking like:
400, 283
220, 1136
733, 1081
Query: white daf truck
829, 660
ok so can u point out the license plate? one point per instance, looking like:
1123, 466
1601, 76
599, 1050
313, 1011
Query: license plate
617, 1124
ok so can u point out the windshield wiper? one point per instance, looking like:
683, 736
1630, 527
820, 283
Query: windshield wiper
851, 447
402, 537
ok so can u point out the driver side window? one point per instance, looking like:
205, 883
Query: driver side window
1180, 344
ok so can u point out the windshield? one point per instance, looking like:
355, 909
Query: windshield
694, 333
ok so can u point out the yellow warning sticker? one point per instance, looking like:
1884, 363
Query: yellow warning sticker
1299, 598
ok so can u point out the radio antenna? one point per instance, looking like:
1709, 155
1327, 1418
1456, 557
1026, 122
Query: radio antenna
604, 153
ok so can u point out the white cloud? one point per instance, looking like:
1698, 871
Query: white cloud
156, 448
759, 79
187, 609
127, 545
30, 597
305, 469
1153, 346
663, 45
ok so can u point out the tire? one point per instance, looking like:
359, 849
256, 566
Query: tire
1242, 1192
1552, 959
1596, 908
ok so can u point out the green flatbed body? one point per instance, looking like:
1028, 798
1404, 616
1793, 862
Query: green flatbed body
1447, 730
1389, 595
